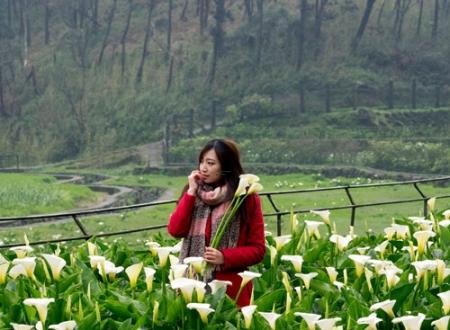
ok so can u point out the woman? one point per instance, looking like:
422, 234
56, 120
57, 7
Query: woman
203, 201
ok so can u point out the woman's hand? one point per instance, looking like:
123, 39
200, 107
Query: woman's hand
193, 179
213, 256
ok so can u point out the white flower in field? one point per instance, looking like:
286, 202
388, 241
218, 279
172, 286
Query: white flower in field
386, 305
174, 260
247, 276
440, 270
381, 248
422, 239
3, 271
155, 311
163, 254
39, 326
423, 223
368, 275
297, 261
28, 263
67, 325
202, 309
370, 320
17, 270
178, 270
186, 286
247, 312
273, 254
360, 261
17, 326
410, 322
271, 318
332, 273
328, 324
152, 247
309, 318
445, 297
2, 258
423, 266
391, 277
267, 233
325, 215
339, 285
250, 178
177, 247
362, 250
341, 241
390, 232
442, 323
110, 269
198, 263
411, 249
401, 231
416, 219
446, 214
149, 275
307, 278
41, 305
381, 265
242, 187
298, 289
312, 227
92, 249
254, 188
431, 203
216, 285
281, 241
444, 223
133, 272
22, 251
96, 261
56, 265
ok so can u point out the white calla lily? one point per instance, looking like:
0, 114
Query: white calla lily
359, 261
247, 312
152, 247
271, 318
163, 254
198, 263
28, 263
309, 318
445, 297
133, 272
67, 325
328, 324
307, 278
255, 188
381, 248
247, 276
312, 227
41, 305
332, 273
56, 265
386, 305
149, 275
324, 214
92, 249
22, 251
422, 238
281, 241
203, 310
178, 270
370, 320
17, 326
362, 250
446, 214
297, 261
442, 323
410, 322
4, 266
216, 285
341, 241
431, 203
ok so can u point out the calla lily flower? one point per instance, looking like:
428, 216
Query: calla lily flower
198, 263
332, 273
177, 247
445, 297
401, 231
152, 247
360, 261
163, 254
186, 286
95, 261
391, 277
174, 260
17, 326
3, 271
216, 285
369, 275
362, 250
410, 322
133, 272
431, 203
149, 275
446, 214
247, 276
339, 285
254, 188
307, 278
202, 309
28, 263
297, 261
341, 241
17, 270
442, 323
178, 270
381, 248
309, 318
390, 232
312, 227
328, 324
386, 306
41, 305
325, 215
281, 241
250, 178
273, 254
67, 325
92, 249
271, 318
247, 312
155, 311
242, 187
423, 266
109, 269
370, 320
444, 223
22, 251
440, 270
56, 265
422, 239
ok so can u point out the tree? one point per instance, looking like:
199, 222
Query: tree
362, 25
169, 27
318, 18
124, 37
218, 35
260, 7
301, 33
434, 29
419, 20
148, 31
108, 30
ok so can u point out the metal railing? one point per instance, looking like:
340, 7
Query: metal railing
277, 212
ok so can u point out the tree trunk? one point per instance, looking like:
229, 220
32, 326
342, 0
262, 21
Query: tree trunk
32, 76
397, 17
124, 38
249, 9
380, 13
183, 11
301, 33
95, 14
9, 13
413, 94
218, 38
419, 20
404, 7
319, 9
302, 98
108, 30
82, 11
200, 9
260, 7
46, 25
169, 75
2, 103
434, 30
169, 28
148, 31
362, 26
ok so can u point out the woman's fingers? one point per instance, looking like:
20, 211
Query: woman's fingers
213, 256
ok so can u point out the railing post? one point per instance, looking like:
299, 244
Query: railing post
425, 199
80, 225
269, 197
349, 195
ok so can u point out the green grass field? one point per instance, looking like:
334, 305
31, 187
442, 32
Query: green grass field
376, 217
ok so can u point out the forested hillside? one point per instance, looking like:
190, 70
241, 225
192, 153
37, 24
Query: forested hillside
78, 77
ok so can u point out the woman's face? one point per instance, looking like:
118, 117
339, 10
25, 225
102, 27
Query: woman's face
210, 167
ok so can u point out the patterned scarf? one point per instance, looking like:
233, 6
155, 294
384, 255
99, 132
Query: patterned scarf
210, 202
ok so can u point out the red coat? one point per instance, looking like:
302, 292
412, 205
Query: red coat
250, 247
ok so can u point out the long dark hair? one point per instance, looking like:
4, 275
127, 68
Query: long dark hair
228, 154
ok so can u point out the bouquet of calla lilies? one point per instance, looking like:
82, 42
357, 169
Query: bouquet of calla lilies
248, 184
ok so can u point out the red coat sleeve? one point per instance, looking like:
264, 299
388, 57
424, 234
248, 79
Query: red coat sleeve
180, 219
251, 244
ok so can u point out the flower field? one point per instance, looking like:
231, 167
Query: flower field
313, 278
